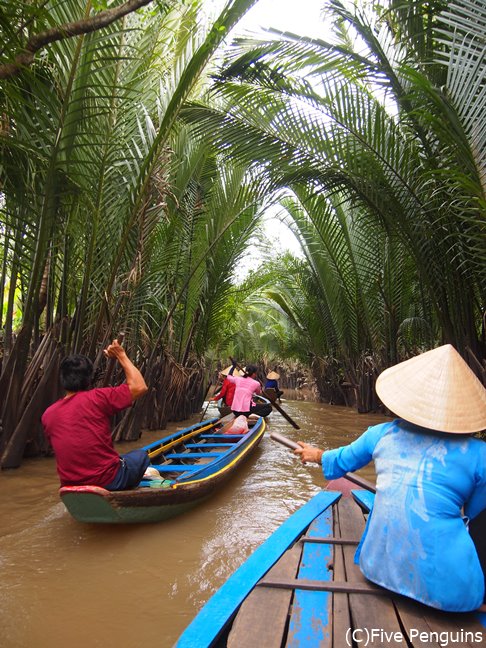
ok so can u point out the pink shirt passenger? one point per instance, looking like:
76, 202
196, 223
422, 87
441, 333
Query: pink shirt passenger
244, 391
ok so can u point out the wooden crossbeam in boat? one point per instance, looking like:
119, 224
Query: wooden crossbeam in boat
176, 467
209, 445
192, 455
323, 586
229, 437
330, 540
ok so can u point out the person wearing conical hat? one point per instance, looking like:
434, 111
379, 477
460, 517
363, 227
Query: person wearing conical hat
272, 382
431, 479
227, 391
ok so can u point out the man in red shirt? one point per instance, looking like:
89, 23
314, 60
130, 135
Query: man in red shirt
78, 426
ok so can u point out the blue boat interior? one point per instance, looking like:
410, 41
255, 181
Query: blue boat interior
201, 448
302, 588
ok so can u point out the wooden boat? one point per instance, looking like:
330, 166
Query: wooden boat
271, 394
193, 463
302, 588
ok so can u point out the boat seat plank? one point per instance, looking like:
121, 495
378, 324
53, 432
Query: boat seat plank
176, 436
176, 467
251, 627
311, 615
322, 586
372, 611
209, 445
364, 498
192, 455
224, 436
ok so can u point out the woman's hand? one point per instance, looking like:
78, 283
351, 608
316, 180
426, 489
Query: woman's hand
308, 452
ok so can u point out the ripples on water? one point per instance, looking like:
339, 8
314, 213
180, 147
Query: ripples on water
67, 583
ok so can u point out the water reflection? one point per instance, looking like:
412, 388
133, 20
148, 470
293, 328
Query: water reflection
64, 582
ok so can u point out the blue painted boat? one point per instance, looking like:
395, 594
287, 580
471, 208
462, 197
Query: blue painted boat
301, 588
192, 463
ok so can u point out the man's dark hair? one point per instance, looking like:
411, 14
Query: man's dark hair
76, 373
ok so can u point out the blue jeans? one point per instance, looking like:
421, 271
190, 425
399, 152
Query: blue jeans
132, 467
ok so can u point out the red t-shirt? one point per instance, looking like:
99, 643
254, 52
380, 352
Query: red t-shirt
227, 392
79, 430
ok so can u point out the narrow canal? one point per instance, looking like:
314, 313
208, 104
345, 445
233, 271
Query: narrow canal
64, 583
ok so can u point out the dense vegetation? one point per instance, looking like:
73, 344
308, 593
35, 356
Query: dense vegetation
139, 155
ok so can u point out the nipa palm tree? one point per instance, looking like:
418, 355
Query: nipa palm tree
86, 135
383, 125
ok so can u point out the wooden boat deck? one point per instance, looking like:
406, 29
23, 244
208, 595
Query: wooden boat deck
316, 596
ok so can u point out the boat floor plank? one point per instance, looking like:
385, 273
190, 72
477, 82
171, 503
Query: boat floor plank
340, 602
375, 612
253, 626
413, 618
462, 626
311, 616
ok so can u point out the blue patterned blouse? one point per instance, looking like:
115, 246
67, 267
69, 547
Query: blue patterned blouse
416, 540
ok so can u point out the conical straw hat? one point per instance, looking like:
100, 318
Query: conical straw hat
436, 390
226, 371
273, 375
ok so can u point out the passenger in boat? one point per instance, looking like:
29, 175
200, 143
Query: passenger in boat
227, 390
78, 426
246, 387
431, 480
272, 383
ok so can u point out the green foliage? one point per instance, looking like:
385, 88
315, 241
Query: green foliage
115, 215
378, 138
134, 174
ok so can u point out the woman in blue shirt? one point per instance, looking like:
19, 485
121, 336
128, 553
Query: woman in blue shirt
431, 480
272, 383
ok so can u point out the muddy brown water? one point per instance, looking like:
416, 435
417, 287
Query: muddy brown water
68, 584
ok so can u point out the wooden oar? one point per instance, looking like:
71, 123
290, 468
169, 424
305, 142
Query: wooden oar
207, 392
282, 412
359, 481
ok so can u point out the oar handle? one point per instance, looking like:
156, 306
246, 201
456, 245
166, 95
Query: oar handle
359, 481
284, 440
207, 392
